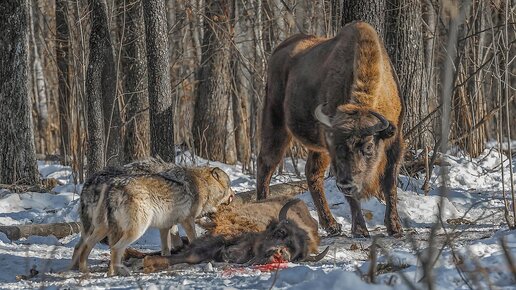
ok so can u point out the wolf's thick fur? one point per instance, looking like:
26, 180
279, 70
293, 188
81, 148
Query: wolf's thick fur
233, 220
124, 203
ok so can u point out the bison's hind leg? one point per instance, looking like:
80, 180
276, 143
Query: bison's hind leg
274, 142
314, 170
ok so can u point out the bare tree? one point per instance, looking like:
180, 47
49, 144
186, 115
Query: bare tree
41, 98
17, 150
213, 127
100, 85
62, 59
242, 50
160, 96
136, 98
469, 100
405, 44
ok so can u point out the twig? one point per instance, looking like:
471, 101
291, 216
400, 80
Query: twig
373, 256
509, 258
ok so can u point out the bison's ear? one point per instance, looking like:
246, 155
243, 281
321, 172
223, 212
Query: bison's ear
217, 173
388, 132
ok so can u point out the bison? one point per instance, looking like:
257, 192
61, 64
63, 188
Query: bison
234, 219
282, 240
340, 98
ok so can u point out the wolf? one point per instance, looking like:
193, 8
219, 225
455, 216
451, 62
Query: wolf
123, 203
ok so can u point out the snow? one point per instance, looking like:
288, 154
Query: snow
472, 217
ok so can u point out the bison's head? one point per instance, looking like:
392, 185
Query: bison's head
355, 139
284, 240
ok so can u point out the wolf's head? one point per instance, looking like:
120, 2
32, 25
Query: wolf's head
218, 189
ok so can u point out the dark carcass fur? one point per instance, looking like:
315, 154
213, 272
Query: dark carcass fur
282, 240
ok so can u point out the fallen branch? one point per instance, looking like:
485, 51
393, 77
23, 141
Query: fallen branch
284, 189
59, 230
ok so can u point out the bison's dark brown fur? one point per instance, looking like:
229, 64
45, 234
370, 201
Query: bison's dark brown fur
340, 98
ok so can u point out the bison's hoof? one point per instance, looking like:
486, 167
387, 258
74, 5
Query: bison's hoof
395, 230
334, 229
360, 235
359, 230
397, 233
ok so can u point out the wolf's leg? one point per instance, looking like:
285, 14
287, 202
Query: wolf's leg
79, 247
96, 236
189, 226
118, 249
177, 243
166, 242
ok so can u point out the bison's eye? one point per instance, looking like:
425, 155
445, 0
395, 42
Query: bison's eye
368, 148
340, 148
280, 233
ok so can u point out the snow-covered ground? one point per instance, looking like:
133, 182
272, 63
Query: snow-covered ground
473, 223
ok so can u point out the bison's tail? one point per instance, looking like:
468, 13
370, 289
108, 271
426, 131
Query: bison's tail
367, 64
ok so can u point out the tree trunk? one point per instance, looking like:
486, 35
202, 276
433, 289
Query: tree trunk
242, 77
111, 102
469, 99
39, 88
17, 151
213, 127
134, 67
405, 45
372, 12
160, 95
62, 58
100, 82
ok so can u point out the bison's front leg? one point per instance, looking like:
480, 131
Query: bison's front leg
358, 225
392, 219
315, 167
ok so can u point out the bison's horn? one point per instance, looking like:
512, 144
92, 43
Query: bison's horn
283, 212
317, 257
382, 125
321, 117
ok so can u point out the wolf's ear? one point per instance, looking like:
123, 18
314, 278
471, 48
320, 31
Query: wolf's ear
217, 173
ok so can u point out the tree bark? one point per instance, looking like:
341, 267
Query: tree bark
469, 100
242, 51
213, 127
17, 150
39, 88
372, 12
405, 45
62, 58
134, 67
100, 82
160, 95
111, 102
